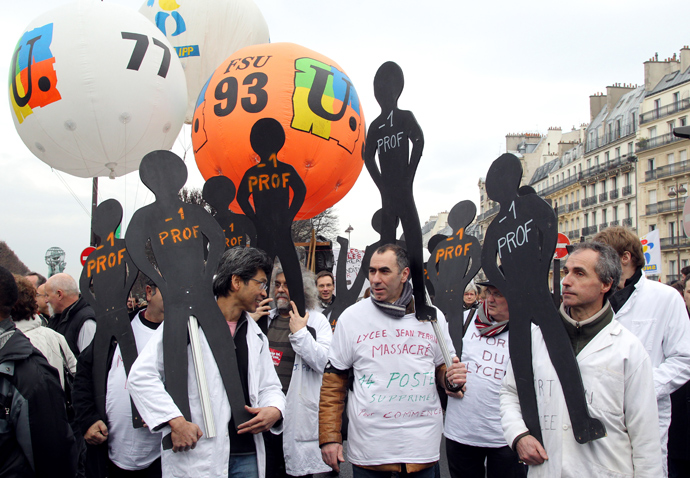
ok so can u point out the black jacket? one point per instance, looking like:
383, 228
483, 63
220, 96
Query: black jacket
70, 322
35, 437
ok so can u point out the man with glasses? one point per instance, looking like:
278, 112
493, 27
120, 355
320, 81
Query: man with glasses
299, 348
238, 449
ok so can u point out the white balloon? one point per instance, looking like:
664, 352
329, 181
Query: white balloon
104, 88
204, 33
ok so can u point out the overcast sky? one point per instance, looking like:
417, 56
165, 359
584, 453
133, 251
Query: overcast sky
473, 73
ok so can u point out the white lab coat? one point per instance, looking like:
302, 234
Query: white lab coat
209, 459
301, 434
617, 376
656, 314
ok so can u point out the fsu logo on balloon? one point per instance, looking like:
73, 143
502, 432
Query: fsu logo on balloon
308, 94
33, 81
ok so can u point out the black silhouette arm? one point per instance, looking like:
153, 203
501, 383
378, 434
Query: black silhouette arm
137, 252
211, 230
299, 190
370, 154
242, 199
417, 138
85, 287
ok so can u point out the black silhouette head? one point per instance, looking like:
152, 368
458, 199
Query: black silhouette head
462, 215
388, 85
377, 219
503, 178
108, 217
267, 137
163, 172
434, 241
219, 192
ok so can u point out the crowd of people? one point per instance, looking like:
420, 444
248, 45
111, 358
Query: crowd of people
372, 382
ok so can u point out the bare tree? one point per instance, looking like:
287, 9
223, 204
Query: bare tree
195, 196
325, 225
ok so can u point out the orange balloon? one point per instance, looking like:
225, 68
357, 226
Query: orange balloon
311, 97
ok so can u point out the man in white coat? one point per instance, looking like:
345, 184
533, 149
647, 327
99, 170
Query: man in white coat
299, 347
617, 376
240, 285
656, 314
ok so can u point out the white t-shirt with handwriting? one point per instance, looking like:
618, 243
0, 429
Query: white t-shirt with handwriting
394, 410
475, 419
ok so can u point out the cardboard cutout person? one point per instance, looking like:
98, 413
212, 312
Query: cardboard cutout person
269, 184
390, 135
176, 231
348, 296
111, 273
453, 264
523, 238
219, 192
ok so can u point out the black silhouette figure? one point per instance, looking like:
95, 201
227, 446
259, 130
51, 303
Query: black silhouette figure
390, 135
269, 184
348, 296
523, 237
111, 273
219, 192
177, 232
453, 264
431, 246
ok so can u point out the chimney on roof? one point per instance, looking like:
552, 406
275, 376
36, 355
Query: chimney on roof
596, 103
655, 70
684, 58
614, 94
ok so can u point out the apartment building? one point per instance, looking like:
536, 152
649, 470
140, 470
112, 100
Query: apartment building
664, 171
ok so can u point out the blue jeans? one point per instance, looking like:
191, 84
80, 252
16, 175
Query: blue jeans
359, 472
243, 466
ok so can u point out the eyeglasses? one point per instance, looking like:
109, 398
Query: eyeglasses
263, 284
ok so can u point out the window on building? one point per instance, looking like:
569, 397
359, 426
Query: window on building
618, 128
586, 219
618, 153
572, 224
676, 98
577, 222
596, 160
633, 121
589, 163
652, 132
683, 121
652, 196
672, 267
631, 149
615, 213
683, 155
627, 179
603, 186
672, 229
670, 158
594, 218
671, 124
606, 157
614, 183
657, 104
603, 216
684, 263
650, 164
627, 210
652, 227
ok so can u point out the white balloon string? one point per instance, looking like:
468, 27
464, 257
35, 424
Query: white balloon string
71, 192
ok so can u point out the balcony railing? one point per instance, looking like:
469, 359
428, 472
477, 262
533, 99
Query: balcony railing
560, 210
573, 206
627, 222
627, 190
589, 230
574, 234
645, 144
564, 183
606, 166
669, 242
670, 205
603, 197
613, 194
668, 170
614, 223
488, 213
664, 111
590, 201
671, 278
603, 226
600, 141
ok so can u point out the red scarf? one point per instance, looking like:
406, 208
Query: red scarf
487, 326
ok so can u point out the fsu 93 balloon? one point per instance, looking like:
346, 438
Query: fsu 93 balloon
311, 97
204, 33
93, 87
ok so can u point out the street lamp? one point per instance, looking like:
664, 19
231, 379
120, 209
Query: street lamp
349, 230
676, 193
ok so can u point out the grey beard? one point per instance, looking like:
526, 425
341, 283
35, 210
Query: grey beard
283, 306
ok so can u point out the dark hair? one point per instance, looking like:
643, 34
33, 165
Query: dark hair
685, 270
324, 274
8, 293
679, 285
26, 305
400, 255
608, 266
41, 280
622, 240
243, 262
